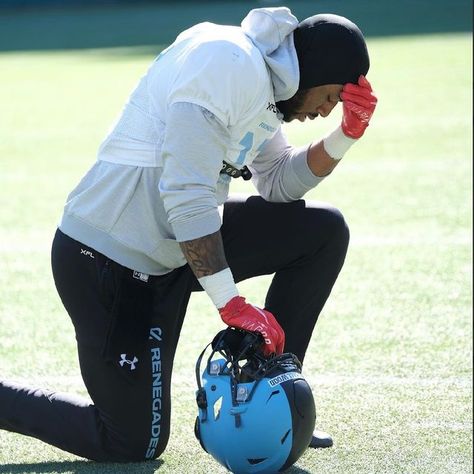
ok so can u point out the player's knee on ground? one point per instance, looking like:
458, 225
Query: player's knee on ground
135, 447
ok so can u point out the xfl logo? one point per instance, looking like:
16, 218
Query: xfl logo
87, 253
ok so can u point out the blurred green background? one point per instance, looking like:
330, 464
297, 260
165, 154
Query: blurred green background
390, 361
102, 24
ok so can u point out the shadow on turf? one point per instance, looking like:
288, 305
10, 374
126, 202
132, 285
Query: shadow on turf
297, 470
82, 467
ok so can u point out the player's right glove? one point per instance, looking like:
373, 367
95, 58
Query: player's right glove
239, 314
358, 103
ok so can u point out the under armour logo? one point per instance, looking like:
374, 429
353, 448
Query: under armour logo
131, 363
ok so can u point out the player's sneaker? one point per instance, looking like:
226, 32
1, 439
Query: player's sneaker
320, 439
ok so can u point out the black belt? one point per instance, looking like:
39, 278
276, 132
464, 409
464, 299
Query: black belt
234, 172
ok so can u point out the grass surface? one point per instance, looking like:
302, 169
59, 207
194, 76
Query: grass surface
390, 360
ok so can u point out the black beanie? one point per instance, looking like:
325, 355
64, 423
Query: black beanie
331, 50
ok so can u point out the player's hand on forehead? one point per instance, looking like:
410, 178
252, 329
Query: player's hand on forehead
360, 93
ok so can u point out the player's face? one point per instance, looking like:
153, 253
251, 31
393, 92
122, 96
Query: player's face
312, 103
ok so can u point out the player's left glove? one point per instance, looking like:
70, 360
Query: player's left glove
358, 102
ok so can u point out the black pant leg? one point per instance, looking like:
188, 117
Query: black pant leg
49, 416
127, 330
303, 243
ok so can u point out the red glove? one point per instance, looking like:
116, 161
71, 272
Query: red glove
239, 314
358, 104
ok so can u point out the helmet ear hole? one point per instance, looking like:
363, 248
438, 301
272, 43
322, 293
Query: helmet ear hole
217, 408
285, 436
254, 462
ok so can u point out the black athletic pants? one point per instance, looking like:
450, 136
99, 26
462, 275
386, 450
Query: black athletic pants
127, 326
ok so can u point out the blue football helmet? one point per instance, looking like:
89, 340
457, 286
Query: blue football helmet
256, 414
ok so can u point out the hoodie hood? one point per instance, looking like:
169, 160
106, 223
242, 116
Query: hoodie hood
270, 30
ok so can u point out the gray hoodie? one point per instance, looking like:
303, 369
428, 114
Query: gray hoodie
209, 97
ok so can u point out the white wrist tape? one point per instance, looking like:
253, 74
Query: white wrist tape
220, 287
336, 143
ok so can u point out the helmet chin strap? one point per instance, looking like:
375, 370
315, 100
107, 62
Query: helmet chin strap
201, 398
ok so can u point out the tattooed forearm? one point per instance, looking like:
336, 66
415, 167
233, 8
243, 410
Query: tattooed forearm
205, 255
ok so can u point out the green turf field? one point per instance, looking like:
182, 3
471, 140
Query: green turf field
390, 360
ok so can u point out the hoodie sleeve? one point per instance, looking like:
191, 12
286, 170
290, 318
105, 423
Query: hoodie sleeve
281, 172
193, 150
